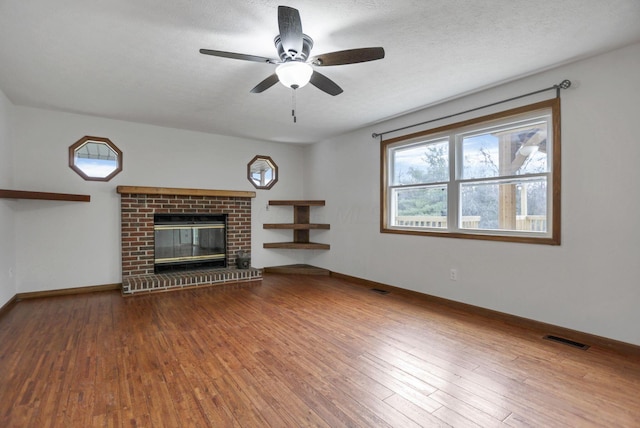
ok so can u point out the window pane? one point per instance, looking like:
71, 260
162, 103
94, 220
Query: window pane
420, 207
515, 205
505, 151
96, 167
426, 162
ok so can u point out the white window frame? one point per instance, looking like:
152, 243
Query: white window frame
455, 133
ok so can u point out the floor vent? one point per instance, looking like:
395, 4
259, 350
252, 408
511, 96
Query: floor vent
567, 342
380, 291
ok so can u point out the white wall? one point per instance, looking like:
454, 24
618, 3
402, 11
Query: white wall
590, 283
74, 244
7, 218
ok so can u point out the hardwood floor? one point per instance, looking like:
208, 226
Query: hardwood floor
295, 351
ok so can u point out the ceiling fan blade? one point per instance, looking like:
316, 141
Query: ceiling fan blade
265, 84
325, 84
290, 27
350, 56
243, 57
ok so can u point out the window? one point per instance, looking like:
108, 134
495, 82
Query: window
496, 177
262, 172
95, 158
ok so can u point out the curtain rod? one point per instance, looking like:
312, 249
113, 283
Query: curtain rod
562, 85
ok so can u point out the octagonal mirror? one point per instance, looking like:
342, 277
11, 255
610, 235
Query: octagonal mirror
262, 172
95, 158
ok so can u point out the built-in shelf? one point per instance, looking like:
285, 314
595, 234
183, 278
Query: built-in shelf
295, 226
47, 196
299, 203
297, 245
299, 269
300, 226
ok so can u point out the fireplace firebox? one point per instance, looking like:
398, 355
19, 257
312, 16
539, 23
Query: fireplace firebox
189, 241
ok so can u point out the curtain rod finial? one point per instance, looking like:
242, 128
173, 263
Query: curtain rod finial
565, 84
374, 135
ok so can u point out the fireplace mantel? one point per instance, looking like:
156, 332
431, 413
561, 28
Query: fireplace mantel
141, 190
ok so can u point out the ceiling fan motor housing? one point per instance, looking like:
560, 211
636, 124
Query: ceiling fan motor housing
307, 44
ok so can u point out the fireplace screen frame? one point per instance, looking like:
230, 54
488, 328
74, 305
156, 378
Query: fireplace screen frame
188, 251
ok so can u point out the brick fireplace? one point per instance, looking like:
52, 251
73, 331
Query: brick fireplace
138, 205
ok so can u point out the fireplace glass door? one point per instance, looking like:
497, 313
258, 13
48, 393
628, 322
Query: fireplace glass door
185, 242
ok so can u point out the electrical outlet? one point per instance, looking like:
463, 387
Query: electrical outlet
453, 274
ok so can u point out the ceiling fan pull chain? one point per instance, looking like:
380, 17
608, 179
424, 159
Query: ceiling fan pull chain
293, 105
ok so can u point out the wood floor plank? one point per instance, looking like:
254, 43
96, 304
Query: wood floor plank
453, 418
297, 350
294, 410
311, 391
521, 400
467, 410
417, 411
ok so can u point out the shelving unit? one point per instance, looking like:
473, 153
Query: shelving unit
301, 226
299, 269
47, 196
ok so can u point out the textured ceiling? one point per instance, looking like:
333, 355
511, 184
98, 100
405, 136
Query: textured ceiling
138, 60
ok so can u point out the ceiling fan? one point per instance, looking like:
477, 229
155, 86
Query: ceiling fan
294, 65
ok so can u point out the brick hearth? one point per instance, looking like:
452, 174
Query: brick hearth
137, 207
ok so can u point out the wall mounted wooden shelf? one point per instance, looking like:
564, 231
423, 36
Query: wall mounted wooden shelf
298, 269
300, 226
184, 191
302, 203
47, 196
297, 245
295, 226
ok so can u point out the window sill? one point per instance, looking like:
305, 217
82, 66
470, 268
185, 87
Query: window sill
544, 240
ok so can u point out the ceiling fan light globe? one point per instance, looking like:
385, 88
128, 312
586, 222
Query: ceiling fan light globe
294, 74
